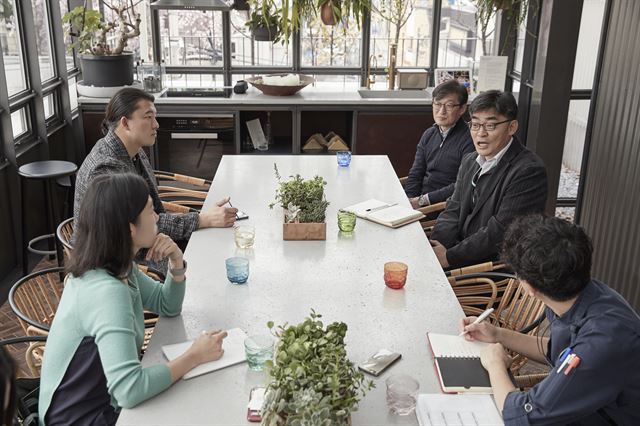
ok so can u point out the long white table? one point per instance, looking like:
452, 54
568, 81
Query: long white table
341, 278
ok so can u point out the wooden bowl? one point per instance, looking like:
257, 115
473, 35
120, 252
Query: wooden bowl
268, 89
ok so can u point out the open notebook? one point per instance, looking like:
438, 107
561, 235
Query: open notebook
458, 365
458, 410
233, 346
391, 215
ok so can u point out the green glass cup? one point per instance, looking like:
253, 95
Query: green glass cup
346, 221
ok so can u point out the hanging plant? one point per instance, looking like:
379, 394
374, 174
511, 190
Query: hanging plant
514, 10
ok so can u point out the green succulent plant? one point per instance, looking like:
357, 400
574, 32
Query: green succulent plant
306, 195
312, 380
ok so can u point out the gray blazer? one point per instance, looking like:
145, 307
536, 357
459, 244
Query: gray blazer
516, 186
109, 155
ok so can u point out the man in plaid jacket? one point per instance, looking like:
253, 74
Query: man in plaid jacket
129, 126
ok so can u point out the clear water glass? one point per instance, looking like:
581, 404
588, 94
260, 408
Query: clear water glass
259, 349
344, 158
244, 236
402, 393
237, 269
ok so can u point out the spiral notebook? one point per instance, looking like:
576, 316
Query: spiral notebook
458, 365
391, 215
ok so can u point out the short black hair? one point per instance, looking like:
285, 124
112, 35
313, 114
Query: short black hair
503, 102
551, 254
102, 232
451, 87
123, 104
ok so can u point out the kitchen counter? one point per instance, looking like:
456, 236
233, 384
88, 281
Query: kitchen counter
309, 96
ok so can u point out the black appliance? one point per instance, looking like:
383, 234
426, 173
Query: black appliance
199, 92
193, 144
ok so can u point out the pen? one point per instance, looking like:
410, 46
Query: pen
575, 361
566, 360
373, 209
478, 320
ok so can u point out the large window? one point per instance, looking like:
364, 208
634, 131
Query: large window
43, 40
461, 43
330, 45
246, 52
12, 52
69, 58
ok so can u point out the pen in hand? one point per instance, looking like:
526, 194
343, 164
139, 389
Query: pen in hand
478, 320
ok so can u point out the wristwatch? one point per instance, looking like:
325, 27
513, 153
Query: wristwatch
176, 272
423, 200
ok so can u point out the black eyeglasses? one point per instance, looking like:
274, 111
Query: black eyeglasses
489, 127
448, 107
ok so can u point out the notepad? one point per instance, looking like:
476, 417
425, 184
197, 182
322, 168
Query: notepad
233, 346
387, 214
457, 362
458, 410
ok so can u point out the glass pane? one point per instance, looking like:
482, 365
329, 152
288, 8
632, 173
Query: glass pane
49, 106
522, 32
247, 52
330, 45
73, 94
515, 89
413, 39
194, 80
191, 38
573, 148
588, 43
64, 8
566, 213
11, 48
461, 42
19, 122
43, 37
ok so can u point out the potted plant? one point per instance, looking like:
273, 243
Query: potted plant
304, 207
265, 24
516, 13
104, 63
333, 11
312, 382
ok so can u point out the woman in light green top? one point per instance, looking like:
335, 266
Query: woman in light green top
91, 366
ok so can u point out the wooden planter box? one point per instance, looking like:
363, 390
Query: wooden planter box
304, 231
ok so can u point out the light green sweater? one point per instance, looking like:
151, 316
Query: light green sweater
101, 306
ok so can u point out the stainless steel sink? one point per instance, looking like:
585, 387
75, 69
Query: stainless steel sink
394, 94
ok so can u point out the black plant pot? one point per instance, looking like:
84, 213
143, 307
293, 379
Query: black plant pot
265, 33
241, 5
107, 71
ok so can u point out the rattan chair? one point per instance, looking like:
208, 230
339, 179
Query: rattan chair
35, 298
475, 294
33, 353
183, 190
172, 207
477, 268
64, 234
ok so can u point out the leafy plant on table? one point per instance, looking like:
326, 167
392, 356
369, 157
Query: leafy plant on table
312, 380
305, 195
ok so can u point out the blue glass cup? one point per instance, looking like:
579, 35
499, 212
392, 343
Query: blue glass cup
344, 158
237, 269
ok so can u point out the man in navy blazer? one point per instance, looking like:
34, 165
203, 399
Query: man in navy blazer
441, 148
495, 184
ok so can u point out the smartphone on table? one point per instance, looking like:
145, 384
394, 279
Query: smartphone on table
254, 409
379, 362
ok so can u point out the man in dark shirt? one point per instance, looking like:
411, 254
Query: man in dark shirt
441, 148
495, 184
594, 340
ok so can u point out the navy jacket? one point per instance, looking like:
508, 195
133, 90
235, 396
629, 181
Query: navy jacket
604, 332
436, 164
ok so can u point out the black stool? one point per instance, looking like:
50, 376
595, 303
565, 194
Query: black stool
45, 171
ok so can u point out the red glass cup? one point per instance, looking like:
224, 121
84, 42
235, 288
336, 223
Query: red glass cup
395, 274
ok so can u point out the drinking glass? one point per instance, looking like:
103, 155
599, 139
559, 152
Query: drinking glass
402, 393
237, 269
346, 221
395, 274
244, 236
344, 158
259, 349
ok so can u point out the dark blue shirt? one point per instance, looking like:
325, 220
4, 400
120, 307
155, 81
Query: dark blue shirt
436, 164
604, 332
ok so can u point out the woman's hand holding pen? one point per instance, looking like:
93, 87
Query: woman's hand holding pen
218, 216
